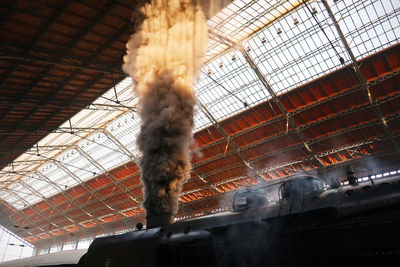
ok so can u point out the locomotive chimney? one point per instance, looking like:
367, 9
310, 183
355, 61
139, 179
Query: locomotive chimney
350, 175
159, 220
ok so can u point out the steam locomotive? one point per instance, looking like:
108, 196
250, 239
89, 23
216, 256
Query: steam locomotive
298, 222
306, 223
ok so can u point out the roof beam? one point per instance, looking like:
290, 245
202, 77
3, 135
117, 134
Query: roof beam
64, 53
88, 188
282, 108
312, 141
107, 44
106, 173
27, 204
115, 36
363, 81
271, 92
55, 63
39, 194
33, 102
311, 105
227, 138
82, 183
39, 213
113, 139
38, 36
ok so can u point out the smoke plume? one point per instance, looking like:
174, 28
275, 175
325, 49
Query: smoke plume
162, 58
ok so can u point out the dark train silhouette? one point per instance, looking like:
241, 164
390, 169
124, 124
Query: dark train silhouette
298, 222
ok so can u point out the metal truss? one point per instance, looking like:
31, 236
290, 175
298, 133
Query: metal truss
363, 81
48, 148
39, 35
106, 173
297, 161
351, 146
272, 93
351, 90
73, 106
40, 54
113, 139
38, 212
77, 71
302, 109
31, 59
80, 206
100, 198
88, 189
286, 116
227, 138
312, 141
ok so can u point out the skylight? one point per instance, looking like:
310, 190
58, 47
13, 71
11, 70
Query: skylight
288, 42
80, 149
228, 85
369, 26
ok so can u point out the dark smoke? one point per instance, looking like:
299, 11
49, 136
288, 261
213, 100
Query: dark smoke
166, 132
162, 59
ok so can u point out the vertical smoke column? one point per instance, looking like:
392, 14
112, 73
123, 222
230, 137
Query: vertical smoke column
162, 59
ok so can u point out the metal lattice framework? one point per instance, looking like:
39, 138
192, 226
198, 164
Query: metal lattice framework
287, 87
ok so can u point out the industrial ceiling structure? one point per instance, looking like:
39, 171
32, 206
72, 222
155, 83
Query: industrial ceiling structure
286, 87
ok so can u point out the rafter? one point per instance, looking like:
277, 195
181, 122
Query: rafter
113, 139
271, 92
38, 36
363, 81
45, 61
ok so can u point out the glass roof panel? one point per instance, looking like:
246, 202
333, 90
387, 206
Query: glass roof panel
200, 119
227, 84
12, 199
42, 177
368, 26
40, 186
289, 49
294, 50
78, 165
58, 176
103, 150
125, 129
25, 195
242, 18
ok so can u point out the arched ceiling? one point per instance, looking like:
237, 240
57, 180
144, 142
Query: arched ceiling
284, 89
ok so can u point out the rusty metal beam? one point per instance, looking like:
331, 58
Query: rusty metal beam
107, 173
363, 81
314, 104
271, 92
55, 63
227, 138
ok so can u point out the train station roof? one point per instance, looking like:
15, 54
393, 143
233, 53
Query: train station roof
286, 87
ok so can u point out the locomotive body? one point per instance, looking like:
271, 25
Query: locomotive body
308, 225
